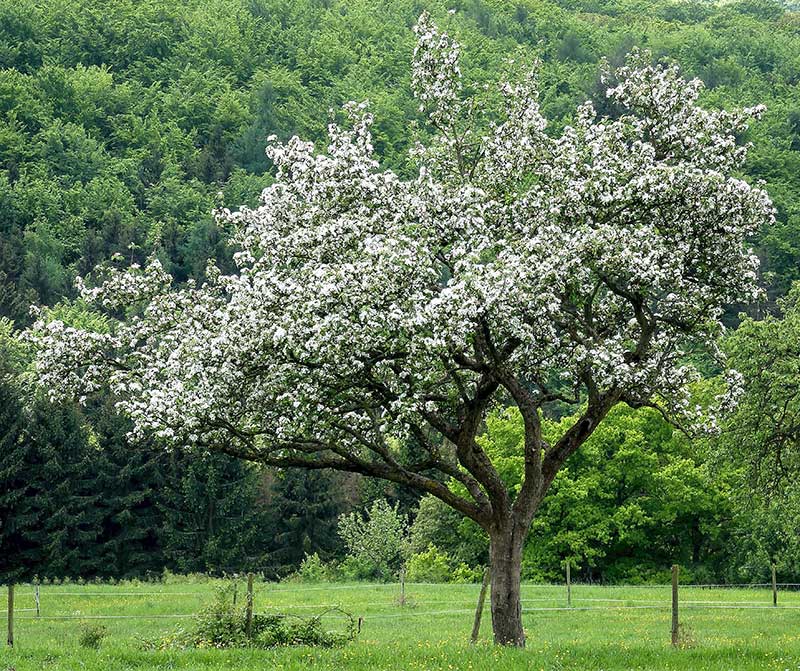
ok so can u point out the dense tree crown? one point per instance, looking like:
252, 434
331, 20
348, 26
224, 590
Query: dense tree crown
581, 267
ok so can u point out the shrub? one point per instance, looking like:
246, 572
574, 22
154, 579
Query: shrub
275, 630
362, 568
467, 574
92, 635
432, 565
223, 625
313, 569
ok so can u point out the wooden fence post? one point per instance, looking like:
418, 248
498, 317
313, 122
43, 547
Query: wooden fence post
569, 587
248, 622
10, 639
774, 587
403, 586
476, 626
235, 590
675, 632
36, 598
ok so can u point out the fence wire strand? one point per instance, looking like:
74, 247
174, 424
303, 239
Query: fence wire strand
464, 595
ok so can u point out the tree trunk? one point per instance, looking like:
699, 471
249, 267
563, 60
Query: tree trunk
505, 553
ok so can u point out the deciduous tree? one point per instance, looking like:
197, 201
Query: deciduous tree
517, 266
765, 430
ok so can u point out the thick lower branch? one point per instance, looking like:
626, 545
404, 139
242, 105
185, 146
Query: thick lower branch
577, 434
314, 459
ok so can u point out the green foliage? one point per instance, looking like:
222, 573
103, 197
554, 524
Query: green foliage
375, 542
433, 565
762, 436
222, 624
354, 568
92, 635
278, 630
767, 532
121, 122
313, 570
464, 574
133, 480
635, 499
762, 432
12, 351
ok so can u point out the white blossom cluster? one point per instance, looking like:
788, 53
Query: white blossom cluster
578, 266
435, 74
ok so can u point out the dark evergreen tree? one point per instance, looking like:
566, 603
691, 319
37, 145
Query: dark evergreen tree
18, 516
213, 517
49, 510
304, 511
62, 484
132, 479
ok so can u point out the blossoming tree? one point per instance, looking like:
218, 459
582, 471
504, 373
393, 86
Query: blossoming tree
516, 267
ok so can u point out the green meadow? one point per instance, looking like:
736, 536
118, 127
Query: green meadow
608, 628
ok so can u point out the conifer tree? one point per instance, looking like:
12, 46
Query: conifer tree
212, 518
132, 479
17, 514
304, 510
60, 477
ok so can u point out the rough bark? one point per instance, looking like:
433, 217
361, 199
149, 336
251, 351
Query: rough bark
505, 554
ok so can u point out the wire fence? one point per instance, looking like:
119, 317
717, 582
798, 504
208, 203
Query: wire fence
56, 603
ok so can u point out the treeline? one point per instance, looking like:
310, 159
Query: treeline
124, 123
80, 502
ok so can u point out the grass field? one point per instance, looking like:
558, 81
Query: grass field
608, 628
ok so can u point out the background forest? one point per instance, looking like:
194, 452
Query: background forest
123, 124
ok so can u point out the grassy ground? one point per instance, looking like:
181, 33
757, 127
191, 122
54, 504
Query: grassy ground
609, 628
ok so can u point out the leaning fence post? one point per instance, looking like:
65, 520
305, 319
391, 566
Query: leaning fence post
248, 622
675, 635
774, 587
10, 639
36, 598
476, 626
569, 587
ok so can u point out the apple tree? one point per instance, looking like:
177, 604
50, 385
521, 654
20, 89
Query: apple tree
516, 266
